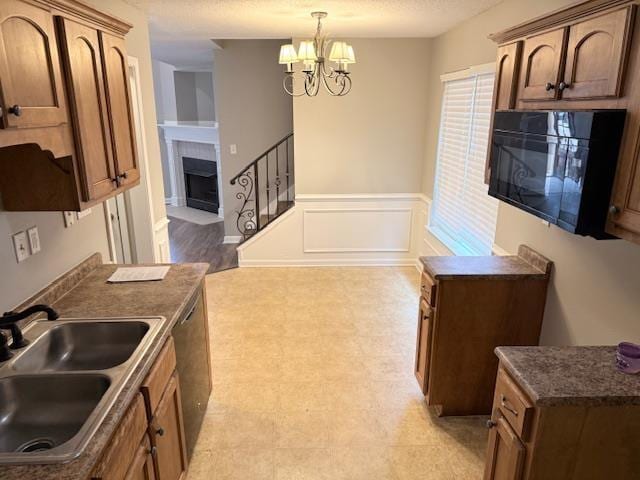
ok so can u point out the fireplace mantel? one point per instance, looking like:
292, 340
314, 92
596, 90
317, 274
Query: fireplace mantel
188, 132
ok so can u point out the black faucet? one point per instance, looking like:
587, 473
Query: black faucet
9, 320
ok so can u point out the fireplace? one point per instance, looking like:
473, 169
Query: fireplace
201, 184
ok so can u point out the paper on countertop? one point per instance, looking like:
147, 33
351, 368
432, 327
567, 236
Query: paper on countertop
138, 274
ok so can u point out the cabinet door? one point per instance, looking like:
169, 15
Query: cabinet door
541, 64
507, 64
114, 57
596, 56
30, 78
142, 467
505, 453
423, 345
83, 69
167, 432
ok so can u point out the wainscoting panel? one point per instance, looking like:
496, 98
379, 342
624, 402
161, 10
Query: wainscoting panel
356, 230
339, 229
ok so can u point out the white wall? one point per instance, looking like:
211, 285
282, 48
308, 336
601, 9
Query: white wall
164, 91
593, 297
373, 139
165, 99
204, 96
251, 107
194, 96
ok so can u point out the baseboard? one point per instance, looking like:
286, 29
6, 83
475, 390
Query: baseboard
232, 239
334, 262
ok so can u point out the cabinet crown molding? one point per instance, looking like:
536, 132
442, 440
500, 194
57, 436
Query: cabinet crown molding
84, 11
565, 15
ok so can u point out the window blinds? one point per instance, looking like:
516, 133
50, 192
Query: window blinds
463, 215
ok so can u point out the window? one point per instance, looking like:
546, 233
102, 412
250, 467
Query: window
463, 215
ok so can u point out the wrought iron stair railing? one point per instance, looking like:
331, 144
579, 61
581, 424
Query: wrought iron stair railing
267, 188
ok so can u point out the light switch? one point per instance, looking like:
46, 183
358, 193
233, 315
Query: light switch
233, 149
34, 240
21, 246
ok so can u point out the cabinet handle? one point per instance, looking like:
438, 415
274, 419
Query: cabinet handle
549, 86
563, 85
503, 402
160, 431
490, 424
16, 110
153, 451
614, 210
124, 175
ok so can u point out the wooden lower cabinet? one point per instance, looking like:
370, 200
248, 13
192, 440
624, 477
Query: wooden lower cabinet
575, 441
143, 467
149, 443
505, 454
423, 346
167, 433
468, 307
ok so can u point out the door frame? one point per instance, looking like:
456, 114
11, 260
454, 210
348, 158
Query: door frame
147, 237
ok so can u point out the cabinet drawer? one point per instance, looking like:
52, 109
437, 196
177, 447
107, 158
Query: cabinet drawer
513, 404
123, 446
428, 289
159, 376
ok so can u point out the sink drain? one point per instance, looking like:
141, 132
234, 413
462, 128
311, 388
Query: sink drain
36, 445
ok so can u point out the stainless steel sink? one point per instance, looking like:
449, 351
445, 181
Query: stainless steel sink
83, 346
40, 412
55, 393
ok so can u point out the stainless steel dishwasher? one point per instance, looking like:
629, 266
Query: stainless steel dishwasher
190, 338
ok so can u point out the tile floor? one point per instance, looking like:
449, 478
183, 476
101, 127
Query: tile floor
313, 379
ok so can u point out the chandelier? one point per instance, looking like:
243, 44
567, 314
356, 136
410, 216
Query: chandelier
315, 71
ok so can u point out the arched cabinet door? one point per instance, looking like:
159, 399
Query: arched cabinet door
116, 74
507, 66
83, 68
30, 78
541, 65
596, 53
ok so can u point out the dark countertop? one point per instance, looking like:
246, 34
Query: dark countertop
528, 263
84, 292
581, 376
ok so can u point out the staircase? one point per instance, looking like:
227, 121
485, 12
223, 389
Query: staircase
266, 188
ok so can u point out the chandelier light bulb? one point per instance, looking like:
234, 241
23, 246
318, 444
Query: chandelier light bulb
315, 72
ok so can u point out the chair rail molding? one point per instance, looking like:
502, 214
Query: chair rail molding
343, 229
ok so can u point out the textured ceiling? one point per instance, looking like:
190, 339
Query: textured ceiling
180, 30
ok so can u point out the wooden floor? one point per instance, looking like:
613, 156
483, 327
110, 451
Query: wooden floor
190, 242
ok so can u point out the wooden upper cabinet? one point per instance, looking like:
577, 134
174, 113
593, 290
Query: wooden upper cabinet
83, 68
541, 65
30, 79
121, 120
506, 84
596, 55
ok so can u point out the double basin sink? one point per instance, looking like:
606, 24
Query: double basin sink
55, 392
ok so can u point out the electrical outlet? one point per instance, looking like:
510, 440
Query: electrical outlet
69, 218
20, 246
233, 149
34, 240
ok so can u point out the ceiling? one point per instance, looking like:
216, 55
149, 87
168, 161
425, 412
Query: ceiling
181, 30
